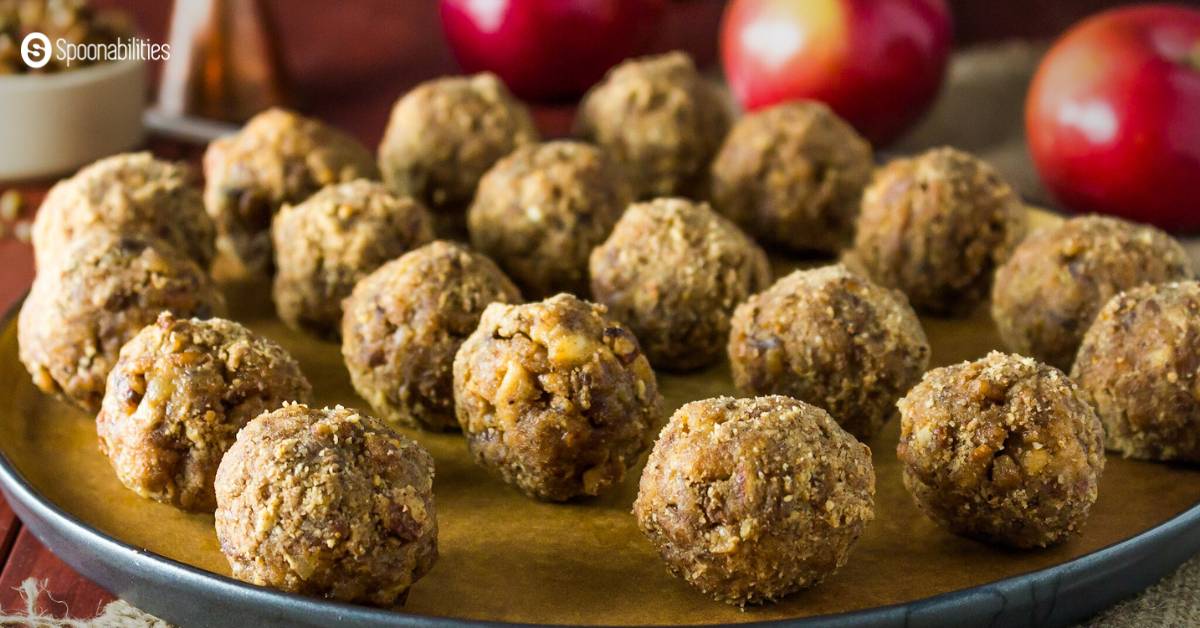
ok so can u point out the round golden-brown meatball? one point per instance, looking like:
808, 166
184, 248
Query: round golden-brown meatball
1046, 295
176, 398
936, 226
555, 397
833, 339
674, 271
328, 503
278, 158
404, 323
445, 134
660, 120
793, 175
1139, 365
130, 193
326, 244
85, 306
1003, 449
749, 500
541, 210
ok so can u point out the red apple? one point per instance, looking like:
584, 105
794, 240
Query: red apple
877, 63
1113, 116
549, 49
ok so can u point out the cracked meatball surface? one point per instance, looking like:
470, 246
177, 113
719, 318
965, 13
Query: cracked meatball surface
1003, 449
278, 158
1047, 294
1139, 364
176, 398
404, 323
831, 338
130, 193
793, 175
445, 134
659, 119
326, 244
329, 503
749, 500
936, 226
674, 271
103, 291
555, 397
540, 211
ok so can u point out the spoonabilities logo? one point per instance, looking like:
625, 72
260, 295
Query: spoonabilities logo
35, 50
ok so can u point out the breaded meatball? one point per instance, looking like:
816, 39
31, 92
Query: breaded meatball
326, 244
278, 158
793, 175
176, 398
404, 323
131, 193
752, 499
674, 271
660, 120
1003, 449
541, 210
1046, 295
936, 226
1139, 365
445, 134
328, 503
555, 397
85, 306
833, 339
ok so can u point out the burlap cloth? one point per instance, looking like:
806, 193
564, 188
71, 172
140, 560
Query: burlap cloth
980, 111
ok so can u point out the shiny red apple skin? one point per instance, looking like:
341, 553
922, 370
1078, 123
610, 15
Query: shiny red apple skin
878, 63
1113, 116
549, 49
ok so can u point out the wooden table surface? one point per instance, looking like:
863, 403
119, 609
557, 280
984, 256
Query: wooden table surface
349, 65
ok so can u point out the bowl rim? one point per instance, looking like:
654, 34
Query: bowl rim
86, 75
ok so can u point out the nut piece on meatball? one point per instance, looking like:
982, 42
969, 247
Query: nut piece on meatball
752, 499
328, 503
1003, 449
833, 339
936, 226
793, 175
103, 291
659, 119
541, 210
1046, 295
1138, 366
278, 157
132, 193
555, 397
326, 244
446, 133
177, 397
404, 323
674, 271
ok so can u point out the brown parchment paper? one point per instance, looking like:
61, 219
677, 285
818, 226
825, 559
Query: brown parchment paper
507, 558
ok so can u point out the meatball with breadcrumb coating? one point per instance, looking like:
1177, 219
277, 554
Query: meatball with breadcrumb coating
1139, 365
329, 503
177, 397
1004, 449
749, 500
834, 339
1046, 295
555, 397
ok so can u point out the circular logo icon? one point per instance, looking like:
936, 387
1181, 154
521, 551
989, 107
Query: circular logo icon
35, 50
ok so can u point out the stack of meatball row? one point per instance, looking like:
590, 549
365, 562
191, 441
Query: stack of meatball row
747, 499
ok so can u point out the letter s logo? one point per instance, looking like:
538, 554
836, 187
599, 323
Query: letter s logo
35, 50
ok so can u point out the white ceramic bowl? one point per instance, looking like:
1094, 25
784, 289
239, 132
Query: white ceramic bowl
53, 123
